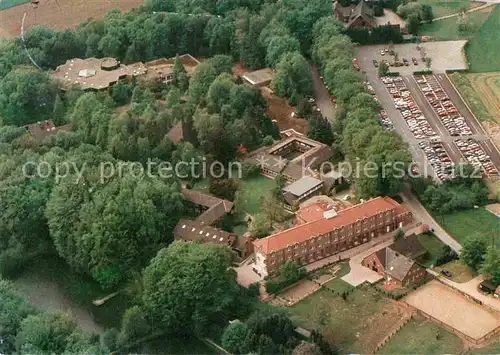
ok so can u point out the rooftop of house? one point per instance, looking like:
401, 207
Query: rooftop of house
162, 67
270, 158
217, 207
409, 246
396, 265
260, 76
303, 185
195, 231
313, 212
95, 73
42, 129
306, 231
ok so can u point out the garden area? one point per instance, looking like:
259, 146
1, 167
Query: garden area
337, 284
422, 337
448, 29
355, 324
483, 52
460, 272
492, 348
478, 221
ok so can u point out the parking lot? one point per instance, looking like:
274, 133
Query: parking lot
429, 114
445, 55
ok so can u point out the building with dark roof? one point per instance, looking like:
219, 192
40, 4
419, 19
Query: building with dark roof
261, 77
356, 16
211, 208
336, 231
42, 129
396, 262
193, 231
294, 157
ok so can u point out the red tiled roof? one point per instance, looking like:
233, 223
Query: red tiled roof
322, 226
312, 212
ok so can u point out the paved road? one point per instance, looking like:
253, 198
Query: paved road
420, 213
322, 95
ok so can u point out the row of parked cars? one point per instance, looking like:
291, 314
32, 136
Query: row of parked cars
404, 102
476, 156
441, 104
438, 158
385, 121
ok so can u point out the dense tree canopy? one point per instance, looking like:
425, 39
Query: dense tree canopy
190, 287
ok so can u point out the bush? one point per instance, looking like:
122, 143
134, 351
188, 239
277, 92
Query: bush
446, 254
254, 289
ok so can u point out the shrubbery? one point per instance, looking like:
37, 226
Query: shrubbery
288, 273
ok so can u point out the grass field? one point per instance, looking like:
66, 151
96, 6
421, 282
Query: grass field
443, 8
487, 86
433, 246
469, 222
5, 4
422, 337
460, 272
252, 190
355, 325
483, 51
447, 29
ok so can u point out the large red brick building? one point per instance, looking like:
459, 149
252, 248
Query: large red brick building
333, 233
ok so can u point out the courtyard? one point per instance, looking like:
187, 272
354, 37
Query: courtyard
454, 310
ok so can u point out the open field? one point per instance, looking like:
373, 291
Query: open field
421, 337
483, 52
460, 272
252, 190
453, 309
6, 4
447, 29
488, 87
68, 15
469, 222
355, 325
444, 7
433, 246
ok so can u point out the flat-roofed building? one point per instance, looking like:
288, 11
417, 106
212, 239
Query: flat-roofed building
261, 77
301, 190
335, 232
163, 68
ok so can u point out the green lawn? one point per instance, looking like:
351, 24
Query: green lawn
447, 29
420, 337
433, 246
459, 271
364, 312
443, 8
5, 4
476, 221
252, 190
483, 51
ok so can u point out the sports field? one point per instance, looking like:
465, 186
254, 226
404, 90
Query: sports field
488, 87
483, 51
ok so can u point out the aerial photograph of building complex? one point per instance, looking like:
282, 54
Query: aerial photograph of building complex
292, 177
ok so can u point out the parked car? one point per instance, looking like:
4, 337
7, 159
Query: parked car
446, 273
405, 62
382, 52
311, 100
375, 63
414, 60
